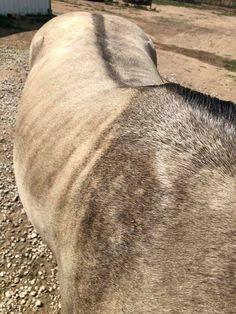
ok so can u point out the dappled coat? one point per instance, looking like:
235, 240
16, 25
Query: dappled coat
129, 180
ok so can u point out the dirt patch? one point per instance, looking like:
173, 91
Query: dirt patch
204, 56
193, 46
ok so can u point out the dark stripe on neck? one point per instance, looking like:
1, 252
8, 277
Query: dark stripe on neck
101, 36
220, 109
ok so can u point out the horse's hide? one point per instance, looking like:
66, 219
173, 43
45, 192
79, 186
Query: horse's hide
131, 184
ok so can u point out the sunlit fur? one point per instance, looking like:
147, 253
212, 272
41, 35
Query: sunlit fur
130, 181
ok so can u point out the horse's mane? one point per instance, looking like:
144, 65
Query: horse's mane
214, 106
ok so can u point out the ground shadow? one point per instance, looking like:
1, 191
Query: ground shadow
12, 25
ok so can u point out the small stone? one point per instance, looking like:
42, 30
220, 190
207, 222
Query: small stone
8, 294
41, 289
22, 294
16, 198
33, 235
39, 303
33, 293
2, 273
32, 281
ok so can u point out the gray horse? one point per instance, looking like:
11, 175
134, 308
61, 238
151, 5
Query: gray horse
129, 180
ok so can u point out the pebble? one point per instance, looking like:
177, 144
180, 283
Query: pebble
16, 198
32, 282
39, 303
41, 289
2, 273
34, 235
33, 293
8, 294
22, 294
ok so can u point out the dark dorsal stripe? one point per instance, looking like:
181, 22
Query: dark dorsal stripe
101, 36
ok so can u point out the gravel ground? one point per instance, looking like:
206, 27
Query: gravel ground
28, 270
